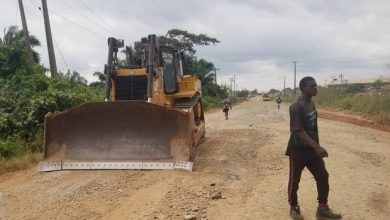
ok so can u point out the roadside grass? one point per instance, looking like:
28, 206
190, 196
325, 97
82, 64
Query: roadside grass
18, 154
26, 161
375, 104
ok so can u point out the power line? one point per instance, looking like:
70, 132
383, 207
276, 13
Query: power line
285, 63
347, 61
85, 17
83, 27
59, 50
73, 22
101, 18
36, 5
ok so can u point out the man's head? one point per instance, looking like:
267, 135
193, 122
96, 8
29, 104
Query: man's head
308, 86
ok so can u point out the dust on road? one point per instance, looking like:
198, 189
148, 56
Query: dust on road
240, 173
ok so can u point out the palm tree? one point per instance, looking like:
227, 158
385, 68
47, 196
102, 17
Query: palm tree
14, 38
206, 74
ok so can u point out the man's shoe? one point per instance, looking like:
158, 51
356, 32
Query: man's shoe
327, 213
295, 213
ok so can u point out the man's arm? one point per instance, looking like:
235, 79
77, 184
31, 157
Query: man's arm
309, 141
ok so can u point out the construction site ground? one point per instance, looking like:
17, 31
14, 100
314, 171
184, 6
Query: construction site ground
240, 172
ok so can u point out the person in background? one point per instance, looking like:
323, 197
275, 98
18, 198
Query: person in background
278, 101
226, 107
304, 150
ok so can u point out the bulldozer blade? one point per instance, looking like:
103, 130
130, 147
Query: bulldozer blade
116, 134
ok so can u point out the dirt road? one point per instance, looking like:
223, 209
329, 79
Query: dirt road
241, 164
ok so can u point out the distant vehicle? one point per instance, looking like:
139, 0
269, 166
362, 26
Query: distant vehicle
266, 97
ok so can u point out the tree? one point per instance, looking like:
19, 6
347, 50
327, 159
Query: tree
354, 88
74, 77
27, 95
205, 71
101, 77
13, 54
243, 93
377, 85
185, 41
14, 38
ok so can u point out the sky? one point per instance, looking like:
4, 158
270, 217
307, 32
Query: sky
259, 39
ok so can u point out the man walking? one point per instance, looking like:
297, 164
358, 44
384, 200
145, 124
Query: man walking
278, 101
304, 150
226, 107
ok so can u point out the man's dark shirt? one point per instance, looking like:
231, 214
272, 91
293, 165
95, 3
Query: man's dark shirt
303, 117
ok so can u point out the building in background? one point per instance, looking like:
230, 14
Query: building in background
367, 85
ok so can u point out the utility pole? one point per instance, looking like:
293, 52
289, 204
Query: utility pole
341, 80
216, 87
231, 84
30, 57
284, 85
215, 74
295, 76
50, 48
234, 81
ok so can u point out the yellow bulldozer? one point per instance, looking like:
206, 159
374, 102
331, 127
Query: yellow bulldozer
151, 117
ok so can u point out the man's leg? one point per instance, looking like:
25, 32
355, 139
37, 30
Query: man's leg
296, 167
317, 168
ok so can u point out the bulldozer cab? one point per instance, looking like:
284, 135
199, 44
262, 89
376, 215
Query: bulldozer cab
171, 69
152, 56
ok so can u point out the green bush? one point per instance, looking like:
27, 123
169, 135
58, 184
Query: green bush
12, 147
210, 102
26, 97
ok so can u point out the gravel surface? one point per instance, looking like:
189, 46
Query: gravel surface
240, 172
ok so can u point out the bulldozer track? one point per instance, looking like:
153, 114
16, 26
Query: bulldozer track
187, 103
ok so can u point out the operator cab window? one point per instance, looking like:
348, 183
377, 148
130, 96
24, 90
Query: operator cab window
170, 72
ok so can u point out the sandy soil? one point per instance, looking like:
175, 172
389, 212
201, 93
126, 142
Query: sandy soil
240, 173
